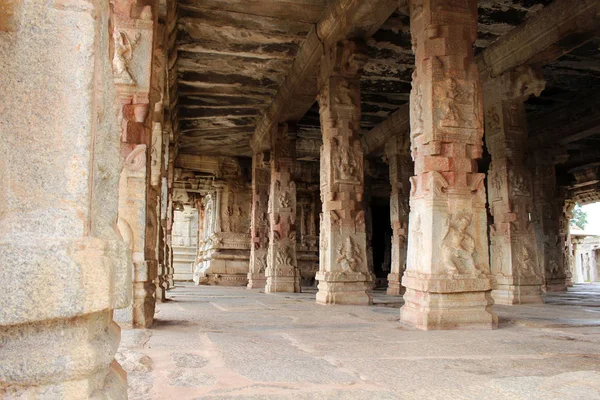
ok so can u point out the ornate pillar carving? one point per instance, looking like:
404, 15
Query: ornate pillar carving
65, 266
548, 209
397, 153
259, 220
514, 256
447, 278
565, 237
132, 63
282, 266
344, 276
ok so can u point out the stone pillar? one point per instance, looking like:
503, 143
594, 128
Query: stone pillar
565, 237
548, 213
132, 61
397, 152
282, 267
447, 278
513, 242
64, 265
344, 276
259, 220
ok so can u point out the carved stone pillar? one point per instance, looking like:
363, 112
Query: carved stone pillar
64, 265
132, 61
548, 214
282, 267
397, 152
565, 238
344, 276
513, 242
447, 278
259, 221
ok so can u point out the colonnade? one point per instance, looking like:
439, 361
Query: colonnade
87, 174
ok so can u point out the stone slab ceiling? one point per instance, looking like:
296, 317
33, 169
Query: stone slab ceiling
234, 54
232, 57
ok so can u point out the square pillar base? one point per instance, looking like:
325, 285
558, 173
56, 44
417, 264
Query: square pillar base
256, 281
344, 288
448, 304
509, 292
556, 285
395, 287
282, 284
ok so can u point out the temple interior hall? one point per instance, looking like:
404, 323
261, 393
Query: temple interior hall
300, 199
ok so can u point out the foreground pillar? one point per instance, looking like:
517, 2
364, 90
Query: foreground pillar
549, 211
259, 230
513, 241
64, 265
397, 152
282, 266
447, 279
344, 276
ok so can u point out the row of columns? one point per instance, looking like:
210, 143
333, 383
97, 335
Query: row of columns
441, 254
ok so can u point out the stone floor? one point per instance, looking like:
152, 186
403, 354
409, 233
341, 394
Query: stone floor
233, 343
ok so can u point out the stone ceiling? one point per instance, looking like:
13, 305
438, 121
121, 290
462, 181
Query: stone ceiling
232, 56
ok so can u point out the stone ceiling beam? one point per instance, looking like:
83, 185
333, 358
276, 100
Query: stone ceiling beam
578, 121
342, 19
554, 31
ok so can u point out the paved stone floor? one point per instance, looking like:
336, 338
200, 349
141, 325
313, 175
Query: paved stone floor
233, 343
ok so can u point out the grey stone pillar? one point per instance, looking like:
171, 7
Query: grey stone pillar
66, 264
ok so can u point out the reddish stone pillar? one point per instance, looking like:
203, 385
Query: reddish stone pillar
282, 267
514, 255
447, 279
132, 61
344, 276
259, 230
397, 152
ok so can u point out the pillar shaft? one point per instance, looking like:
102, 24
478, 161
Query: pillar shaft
282, 266
447, 278
259, 230
548, 214
65, 265
343, 276
514, 255
397, 151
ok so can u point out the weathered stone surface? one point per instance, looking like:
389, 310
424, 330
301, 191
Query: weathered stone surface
59, 168
344, 276
514, 259
259, 231
282, 266
447, 277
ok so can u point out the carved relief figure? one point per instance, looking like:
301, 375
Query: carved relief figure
345, 164
349, 256
452, 99
283, 257
284, 200
458, 247
124, 47
526, 264
344, 93
493, 119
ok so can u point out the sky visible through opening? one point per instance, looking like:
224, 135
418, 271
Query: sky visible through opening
593, 217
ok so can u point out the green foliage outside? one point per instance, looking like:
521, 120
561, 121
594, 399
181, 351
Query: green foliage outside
579, 217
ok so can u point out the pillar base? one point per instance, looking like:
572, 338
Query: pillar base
556, 285
256, 281
395, 287
68, 359
448, 303
344, 288
509, 292
282, 284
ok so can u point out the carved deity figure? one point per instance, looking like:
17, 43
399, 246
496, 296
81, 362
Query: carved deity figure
346, 164
458, 247
525, 263
348, 256
123, 55
284, 200
452, 99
